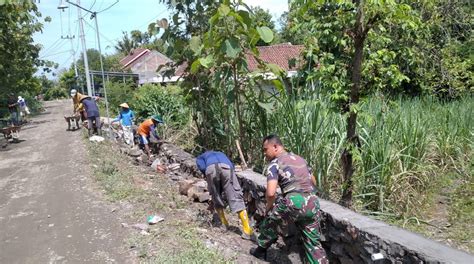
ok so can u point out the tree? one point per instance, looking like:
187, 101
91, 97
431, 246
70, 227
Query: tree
19, 57
126, 45
346, 64
262, 18
214, 38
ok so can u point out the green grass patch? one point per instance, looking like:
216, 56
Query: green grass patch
170, 241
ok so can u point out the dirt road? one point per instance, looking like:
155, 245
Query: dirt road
48, 210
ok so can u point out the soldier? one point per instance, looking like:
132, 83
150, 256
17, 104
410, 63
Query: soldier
299, 203
221, 178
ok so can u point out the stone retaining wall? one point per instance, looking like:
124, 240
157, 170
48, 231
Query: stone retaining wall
347, 236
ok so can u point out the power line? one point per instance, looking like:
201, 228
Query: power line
92, 5
102, 35
107, 7
52, 48
54, 54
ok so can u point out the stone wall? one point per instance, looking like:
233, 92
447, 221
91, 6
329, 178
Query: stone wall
347, 236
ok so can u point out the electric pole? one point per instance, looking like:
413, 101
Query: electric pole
84, 51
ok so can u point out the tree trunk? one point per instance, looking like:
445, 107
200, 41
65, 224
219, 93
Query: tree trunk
351, 136
237, 105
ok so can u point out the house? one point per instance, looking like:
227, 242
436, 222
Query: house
145, 63
279, 54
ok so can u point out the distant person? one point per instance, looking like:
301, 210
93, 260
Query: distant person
221, 178
126, 117
78, 107
299, 203
13, 109
93, 115
24, 111
146, 129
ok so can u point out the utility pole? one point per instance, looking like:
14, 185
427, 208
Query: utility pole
84, 51
76, 75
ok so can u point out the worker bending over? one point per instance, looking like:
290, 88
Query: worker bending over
221, 178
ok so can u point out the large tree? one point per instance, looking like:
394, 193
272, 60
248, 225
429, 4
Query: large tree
349, 55
19, 56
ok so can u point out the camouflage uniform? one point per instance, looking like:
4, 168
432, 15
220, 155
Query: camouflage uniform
299, 205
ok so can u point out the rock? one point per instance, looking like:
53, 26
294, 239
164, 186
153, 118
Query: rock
201, 185
155, 163
135, 152
174, 167
184, 186
203, 197
193, 190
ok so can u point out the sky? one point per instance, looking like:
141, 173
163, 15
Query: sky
126, 15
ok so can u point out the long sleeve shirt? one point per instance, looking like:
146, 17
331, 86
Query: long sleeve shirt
212, 157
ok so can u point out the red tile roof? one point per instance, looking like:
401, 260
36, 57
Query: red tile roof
127, 62
278, 54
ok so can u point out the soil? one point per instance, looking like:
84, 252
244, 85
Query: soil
49, 209
53, 209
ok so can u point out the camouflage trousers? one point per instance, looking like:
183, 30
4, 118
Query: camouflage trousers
303, 210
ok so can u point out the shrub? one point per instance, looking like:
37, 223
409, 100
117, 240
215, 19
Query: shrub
168, 102
118, 93
55, 93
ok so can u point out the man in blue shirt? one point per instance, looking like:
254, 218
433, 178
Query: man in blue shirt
220, 177
93, 116
126, 117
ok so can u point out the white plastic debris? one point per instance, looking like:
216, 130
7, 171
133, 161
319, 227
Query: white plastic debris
153, 219
376, 256
96, 138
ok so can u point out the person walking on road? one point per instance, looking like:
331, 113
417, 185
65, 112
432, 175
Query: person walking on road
221, 178
125, 118
146, 129
299, 203
13, 109
93, 115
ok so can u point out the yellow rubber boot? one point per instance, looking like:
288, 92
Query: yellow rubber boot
244, 218
220, 212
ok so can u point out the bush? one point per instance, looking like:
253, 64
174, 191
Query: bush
168, 102
118, 93
55, 93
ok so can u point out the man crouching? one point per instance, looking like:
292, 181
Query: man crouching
299, 203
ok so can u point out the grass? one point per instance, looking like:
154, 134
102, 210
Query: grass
169, 242
408, 146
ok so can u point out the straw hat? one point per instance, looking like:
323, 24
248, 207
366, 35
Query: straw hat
82, 97
124, 105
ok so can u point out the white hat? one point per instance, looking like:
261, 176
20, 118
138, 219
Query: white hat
73, 92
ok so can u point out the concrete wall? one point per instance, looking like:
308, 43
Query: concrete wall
347, 236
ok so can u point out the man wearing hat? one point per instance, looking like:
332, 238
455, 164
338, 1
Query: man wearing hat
126, 117
92, 111
146, 129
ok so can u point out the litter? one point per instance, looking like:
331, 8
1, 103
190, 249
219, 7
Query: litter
153, 219
96, 139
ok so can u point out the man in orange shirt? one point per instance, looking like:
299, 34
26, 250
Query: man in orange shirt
146, 129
